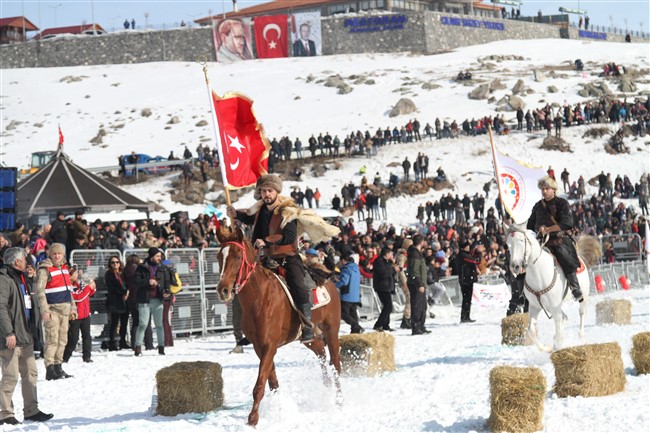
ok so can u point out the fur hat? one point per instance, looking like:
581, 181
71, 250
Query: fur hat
269, 181
56, 248
547, 181
153, 251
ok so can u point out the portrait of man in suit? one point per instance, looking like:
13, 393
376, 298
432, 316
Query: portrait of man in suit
304, 47
234, 45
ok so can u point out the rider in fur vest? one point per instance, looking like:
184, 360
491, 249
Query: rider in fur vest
552, 216
275, 232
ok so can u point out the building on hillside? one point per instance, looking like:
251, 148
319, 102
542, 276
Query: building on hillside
13, 30
83, 29
335, 7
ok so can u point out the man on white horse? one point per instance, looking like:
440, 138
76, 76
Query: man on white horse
552, 216
278, 239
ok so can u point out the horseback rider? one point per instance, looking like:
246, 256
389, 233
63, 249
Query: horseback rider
552, 216
278, 240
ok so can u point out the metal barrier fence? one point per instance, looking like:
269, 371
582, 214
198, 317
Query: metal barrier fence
626, 247
612, 275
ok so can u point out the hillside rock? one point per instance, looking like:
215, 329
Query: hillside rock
597, 89
539, 75
626, 85
12, 125
496, 84
480, 92
345, 89
146, 112
403, 106
510, 103
551, 89
519, 87
174, 120
334, 81
99, 138
555, 143
430, 86
202, 123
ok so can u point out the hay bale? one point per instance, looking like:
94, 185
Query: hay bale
189, 387
514, 330
616, 311
516, 399
367, 354
591, 370
641, 352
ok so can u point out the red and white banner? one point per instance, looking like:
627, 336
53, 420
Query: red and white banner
271, 36
484, 295
244, 146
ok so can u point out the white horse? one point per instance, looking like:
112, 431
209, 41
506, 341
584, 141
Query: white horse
545, 285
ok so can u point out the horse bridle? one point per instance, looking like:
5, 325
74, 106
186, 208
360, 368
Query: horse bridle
245, 267
526, 243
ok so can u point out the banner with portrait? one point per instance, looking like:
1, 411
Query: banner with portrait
232, 40
306, 36
271, 36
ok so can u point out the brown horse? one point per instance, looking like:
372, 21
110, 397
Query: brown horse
268, 321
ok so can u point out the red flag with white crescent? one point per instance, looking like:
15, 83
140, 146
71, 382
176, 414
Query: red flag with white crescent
60, 137
271, 36
243, 142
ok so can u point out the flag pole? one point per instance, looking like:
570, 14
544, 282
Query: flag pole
217, 134
496, 170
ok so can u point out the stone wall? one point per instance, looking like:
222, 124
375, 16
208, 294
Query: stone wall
114, 48
446, 31
424, 32
340, 36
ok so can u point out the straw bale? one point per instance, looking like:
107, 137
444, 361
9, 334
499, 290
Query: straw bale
641, 352
591, 370
516, 399
514, 330
189, 387
616, 311
367, 354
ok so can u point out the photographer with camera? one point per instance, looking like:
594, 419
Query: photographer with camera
349, 285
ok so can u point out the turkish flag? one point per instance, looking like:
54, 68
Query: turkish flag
60, 137
271, 36
243, 143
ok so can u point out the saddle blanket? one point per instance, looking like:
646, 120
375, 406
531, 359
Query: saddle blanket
319, 295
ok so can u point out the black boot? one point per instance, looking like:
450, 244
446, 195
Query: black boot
406, 323
161, 350
112, 346
51, 373
62, 374
124, 345
572, 279
137, 351
307, 330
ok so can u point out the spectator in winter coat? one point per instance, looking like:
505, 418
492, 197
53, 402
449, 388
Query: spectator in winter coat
116, 302
383, 283
17, 342
132, 263
153, 284
349, 286
416, 271
81, 293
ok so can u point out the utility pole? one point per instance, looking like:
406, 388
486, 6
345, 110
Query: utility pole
92, 12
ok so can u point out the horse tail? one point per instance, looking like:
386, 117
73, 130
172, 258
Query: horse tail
589, 249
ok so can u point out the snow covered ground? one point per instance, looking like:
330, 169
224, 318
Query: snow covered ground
442, 379
441, 384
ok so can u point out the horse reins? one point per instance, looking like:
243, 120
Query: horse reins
538, 294
241, 282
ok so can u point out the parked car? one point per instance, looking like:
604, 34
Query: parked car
143, 159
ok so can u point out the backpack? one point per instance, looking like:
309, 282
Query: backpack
176, 285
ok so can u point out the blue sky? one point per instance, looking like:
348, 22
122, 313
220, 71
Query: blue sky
111, 14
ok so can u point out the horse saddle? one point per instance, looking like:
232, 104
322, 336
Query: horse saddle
319, 296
